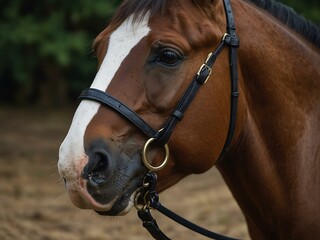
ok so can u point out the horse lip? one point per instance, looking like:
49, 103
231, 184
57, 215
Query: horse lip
122, 202
81, 199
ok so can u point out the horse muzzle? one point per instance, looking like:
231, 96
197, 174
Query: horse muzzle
106, 179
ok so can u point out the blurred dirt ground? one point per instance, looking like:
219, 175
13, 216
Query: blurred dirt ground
35, 206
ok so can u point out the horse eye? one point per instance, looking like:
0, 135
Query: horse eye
168, 57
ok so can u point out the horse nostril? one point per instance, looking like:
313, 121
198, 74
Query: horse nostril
99, 167
100, 162
97, 178
97, 171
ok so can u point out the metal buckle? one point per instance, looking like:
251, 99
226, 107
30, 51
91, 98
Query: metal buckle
146, 201
208, 57
226, 38
201, 69
205, 65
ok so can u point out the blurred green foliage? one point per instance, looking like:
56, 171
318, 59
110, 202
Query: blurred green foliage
46, 40
310, 9
45, 46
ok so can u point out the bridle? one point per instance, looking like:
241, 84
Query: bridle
147, 194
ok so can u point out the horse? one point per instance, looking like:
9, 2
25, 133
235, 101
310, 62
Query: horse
147, 57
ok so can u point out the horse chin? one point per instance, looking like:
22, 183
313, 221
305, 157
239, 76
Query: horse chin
121, 203
120, 207
80, 197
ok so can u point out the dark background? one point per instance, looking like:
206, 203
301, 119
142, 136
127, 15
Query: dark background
45, 48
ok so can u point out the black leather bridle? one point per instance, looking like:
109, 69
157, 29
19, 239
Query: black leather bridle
160, 138
229, 39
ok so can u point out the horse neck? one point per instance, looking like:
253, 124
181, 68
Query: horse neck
272, 169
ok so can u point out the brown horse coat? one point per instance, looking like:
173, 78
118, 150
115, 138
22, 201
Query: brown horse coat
273, 165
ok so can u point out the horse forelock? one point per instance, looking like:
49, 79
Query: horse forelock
139, 8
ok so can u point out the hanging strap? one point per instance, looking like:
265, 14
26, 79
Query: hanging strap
149, 223
150, 199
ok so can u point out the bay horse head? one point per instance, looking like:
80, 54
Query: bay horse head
145, 110
148, 56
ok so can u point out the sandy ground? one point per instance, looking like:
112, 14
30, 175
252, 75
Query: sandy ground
35, 206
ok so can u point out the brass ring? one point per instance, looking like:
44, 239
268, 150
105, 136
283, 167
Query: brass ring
145, 160
139, 207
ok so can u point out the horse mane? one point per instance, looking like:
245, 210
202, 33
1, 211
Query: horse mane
290, 18
283, 13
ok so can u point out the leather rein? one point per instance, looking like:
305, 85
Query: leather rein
147, 197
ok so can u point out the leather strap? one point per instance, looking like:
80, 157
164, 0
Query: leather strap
194, 227
199, 79
106, 99
233, 43
150, 199
149, 223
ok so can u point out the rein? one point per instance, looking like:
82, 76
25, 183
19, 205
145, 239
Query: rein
147, 197
150, 199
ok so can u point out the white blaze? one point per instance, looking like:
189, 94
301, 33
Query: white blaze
72, 157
